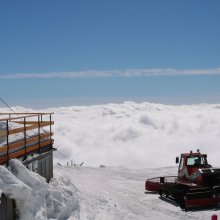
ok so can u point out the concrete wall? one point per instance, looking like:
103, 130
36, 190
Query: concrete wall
45, 167
42, 164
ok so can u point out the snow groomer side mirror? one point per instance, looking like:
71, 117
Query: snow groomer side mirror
177, 159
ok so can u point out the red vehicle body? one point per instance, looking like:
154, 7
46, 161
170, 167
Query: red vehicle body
197, 183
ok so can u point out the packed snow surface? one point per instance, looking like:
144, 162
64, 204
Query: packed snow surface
93, 193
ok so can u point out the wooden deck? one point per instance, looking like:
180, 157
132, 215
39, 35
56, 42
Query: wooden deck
22, 134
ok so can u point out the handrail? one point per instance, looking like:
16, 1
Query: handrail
25, 113
26, 116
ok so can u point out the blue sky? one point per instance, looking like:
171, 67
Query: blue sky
72, 52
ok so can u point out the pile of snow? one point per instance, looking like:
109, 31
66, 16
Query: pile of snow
35, 199
134, 134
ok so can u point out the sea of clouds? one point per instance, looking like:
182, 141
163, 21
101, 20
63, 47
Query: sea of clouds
133, 134
136, 134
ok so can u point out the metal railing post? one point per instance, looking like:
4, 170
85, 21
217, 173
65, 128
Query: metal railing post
50, 130
7, 127
39, 133
25, 138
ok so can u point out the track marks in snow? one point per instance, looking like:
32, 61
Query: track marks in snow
113, 193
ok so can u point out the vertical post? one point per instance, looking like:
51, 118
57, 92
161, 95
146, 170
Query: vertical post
214, 217
25, 138
39, 133
7, 128
50, 130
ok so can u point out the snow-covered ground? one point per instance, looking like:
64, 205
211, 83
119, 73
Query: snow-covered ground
134, 141
118, 193
91, 193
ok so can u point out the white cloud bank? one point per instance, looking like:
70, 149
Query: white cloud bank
135, 134
114, 73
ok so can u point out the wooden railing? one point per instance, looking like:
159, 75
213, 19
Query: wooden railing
24, 133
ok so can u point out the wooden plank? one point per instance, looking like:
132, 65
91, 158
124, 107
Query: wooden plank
16, 145
45, 143
28, 141
36, 146
36, 138
32, 148
3, 133
31, 127
48, 134
15, 130
22, 152
16, 154
3, 159
32, 140
3, 149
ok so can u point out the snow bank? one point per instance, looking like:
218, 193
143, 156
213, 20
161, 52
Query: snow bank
35, 199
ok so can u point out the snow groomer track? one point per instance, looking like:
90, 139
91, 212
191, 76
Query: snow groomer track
22, 134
